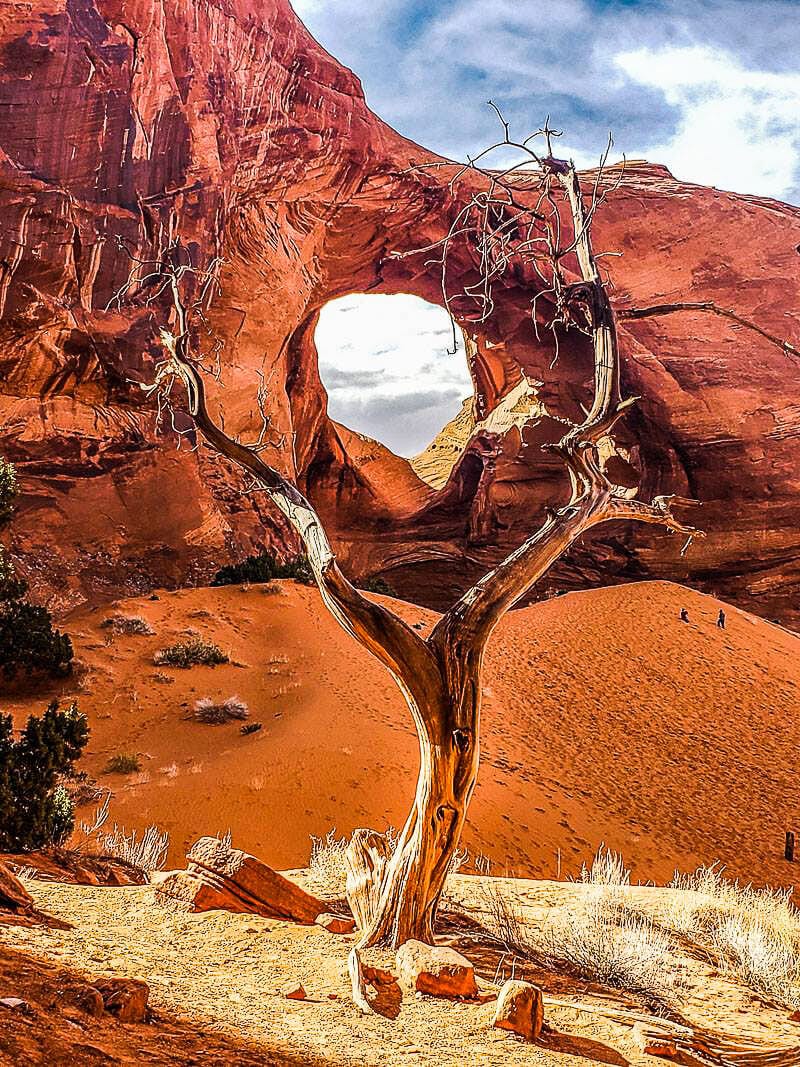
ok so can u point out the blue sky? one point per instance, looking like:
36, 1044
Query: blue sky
710, 88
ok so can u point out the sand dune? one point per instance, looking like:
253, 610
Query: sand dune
606, 719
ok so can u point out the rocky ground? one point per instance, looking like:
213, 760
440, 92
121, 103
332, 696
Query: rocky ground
216, 979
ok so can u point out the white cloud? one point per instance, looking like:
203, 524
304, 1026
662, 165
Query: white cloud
385, 363
739, 128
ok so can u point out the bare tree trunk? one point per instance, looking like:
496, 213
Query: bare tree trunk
403, 905
395, 898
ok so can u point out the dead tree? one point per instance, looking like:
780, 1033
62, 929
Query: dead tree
397, 893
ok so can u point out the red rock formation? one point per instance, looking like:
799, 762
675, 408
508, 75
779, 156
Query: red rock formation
218, 876
224, 122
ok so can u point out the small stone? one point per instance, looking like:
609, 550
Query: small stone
293, 990
653, 1044
125, 997
435, 970
15, 1004
87, 998
520, 1009
333, 996
335, 924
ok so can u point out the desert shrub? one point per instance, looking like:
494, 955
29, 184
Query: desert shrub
192, 653
218, 712
123, 763
35, 809
326, 864
754, 934
254, 569
376, 584
263, 568
28, 642
606, 942
599, 938
148, 853
9, 490
129, 625
299, 569
608, 868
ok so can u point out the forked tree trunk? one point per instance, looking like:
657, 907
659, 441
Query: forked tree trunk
394, 897
400, 901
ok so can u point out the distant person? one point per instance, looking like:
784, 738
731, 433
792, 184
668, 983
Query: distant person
721, 620
684, 615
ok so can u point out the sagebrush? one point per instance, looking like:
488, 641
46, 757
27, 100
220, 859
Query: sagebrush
194, 652
216, 712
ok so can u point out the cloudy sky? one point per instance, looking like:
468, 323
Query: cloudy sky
709, 87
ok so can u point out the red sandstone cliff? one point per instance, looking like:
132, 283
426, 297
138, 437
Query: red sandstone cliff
223, 121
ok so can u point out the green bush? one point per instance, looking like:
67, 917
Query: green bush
378, 585
35, 810
123, 763
263, 568
28, 642
191, 653
8, 490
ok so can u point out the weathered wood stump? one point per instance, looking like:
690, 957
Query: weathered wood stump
221, 877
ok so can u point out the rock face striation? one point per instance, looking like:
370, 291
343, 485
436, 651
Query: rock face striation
127, 123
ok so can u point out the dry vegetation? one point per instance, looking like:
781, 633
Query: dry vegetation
123, 763
193, 652
218, 712
754, 934
609, 937
129, 625
148, 853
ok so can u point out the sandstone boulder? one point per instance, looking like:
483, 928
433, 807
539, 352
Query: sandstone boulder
435, 970
520, 1009
13, 894
221, 877
125, 997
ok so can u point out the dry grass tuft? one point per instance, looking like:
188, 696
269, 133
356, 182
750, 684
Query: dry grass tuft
599, 939
215, 713
754, 934
608, 869
148, 854
130, 625
123, 763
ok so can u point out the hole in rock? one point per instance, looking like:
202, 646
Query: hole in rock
389, 369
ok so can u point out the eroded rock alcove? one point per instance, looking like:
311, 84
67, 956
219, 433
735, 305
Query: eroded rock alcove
126, 122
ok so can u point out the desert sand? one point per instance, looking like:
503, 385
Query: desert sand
606, 718
220, 974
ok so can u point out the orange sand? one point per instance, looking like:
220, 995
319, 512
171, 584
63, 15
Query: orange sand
606, 719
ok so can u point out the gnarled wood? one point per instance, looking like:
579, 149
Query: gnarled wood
395, 896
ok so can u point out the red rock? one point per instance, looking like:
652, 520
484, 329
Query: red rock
86, 997
13, 894
218, 876
302, 201
293, 990
435, 970
653, 1044
336, 924
520, 1009
125, 997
